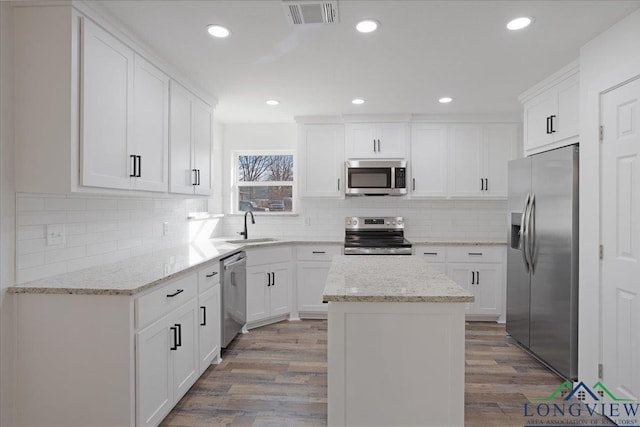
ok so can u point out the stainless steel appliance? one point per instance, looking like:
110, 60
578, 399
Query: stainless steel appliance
375, 236
234, 296
376, 178
542, 261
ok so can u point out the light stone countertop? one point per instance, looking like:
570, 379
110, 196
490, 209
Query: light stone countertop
389, 278
453, 242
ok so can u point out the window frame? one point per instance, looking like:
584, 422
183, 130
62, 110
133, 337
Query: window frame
236, 184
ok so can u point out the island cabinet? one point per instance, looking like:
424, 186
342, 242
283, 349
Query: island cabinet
313, 263
113, 357
321, 160
269, 284
408, 306
376, 140
101, 107
551, 111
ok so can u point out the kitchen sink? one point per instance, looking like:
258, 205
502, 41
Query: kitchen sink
256, 240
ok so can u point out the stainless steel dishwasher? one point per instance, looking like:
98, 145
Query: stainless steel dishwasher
234, 296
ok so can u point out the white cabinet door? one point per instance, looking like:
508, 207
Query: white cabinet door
428, 162
185, 357
465, 160
202, 137
107, 88
568, 121
151, 127
487, 289
209, 326
154, 395
461, 274
500, 142
321, 161
257, 293
536, 125
311, 280
181, 177
392, 139
361, 141
280, 289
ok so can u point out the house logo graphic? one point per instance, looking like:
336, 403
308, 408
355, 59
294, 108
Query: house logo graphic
581, 405
583, 393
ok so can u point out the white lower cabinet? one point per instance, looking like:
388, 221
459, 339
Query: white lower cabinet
209, 326
312, 268
479, 269
268, 291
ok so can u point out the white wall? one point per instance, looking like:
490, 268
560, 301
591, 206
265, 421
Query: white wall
608, 60
7, 217
426, 219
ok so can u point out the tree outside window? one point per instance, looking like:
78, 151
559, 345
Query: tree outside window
264, 182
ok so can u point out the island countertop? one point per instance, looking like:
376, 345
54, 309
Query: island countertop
389, 278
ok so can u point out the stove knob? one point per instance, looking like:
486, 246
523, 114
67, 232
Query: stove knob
348, 222
387, 222
393, 223
399, 222
355, 222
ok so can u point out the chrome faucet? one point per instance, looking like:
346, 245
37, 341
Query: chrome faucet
245, 233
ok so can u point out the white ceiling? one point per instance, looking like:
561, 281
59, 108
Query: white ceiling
423, 50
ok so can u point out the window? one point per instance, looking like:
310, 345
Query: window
264, 181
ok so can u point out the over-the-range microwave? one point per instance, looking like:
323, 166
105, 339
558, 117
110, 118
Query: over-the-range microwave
376, 178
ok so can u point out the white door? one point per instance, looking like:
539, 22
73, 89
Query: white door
181, 176
280, 295
151, 127
620, 233
500, 143
465, 160
202, 140
312, 277
185, 357
428, 162
209, 326
107, 87
257, 293
154, 398
361, 141
392, 139
321, 161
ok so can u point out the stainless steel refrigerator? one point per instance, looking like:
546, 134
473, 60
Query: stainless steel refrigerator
542, 260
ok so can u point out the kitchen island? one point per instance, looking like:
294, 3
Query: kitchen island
395, 343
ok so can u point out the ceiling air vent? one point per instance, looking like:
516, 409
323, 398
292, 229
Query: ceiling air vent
301, 12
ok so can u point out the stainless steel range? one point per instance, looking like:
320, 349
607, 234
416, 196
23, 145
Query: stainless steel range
375, 236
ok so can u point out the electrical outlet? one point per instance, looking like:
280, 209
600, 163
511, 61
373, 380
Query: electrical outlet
165, 228
55, 234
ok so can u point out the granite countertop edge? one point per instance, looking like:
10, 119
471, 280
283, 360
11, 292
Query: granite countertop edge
398, 298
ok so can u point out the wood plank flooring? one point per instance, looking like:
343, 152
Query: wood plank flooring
276, 376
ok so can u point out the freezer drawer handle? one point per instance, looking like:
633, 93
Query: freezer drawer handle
179, 291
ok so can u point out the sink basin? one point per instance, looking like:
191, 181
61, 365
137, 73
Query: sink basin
256, 240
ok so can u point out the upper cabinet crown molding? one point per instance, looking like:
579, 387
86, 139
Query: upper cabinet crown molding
555, 78
376, 118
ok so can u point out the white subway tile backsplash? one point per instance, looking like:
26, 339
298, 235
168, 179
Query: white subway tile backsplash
99, 230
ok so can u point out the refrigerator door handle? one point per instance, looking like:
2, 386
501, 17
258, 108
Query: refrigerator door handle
523, 233
531, 231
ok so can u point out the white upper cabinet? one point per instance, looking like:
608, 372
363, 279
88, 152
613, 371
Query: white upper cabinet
551, 112
321, 160
151, 127
191, 131
106, 119
478, 159
101, 110
428, 164
376, 140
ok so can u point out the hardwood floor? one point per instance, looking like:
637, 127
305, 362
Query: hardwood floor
275, 376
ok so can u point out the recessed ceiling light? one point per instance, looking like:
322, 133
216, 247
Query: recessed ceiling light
218, 31
273, 102
519, 23
357, 101
445, 100
367, 26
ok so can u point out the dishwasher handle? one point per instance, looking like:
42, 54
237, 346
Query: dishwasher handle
242, 260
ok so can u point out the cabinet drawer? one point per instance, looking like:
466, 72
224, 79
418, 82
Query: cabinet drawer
475, 254
208, 276
431, 253
168, 297
268, 255
318, 252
